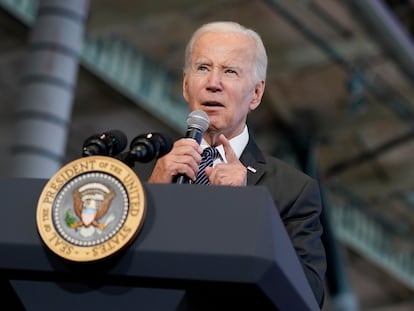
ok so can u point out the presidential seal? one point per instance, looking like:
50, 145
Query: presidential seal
90, 209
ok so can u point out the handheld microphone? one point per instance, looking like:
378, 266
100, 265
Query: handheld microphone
146, 147
109, 143
197, 124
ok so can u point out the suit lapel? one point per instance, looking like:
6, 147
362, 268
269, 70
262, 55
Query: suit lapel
255, 162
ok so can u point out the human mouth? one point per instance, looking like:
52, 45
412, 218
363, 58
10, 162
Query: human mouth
212, 104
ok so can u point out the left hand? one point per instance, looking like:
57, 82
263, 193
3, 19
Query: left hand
232, 173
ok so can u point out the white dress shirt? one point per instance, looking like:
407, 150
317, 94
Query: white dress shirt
238, 144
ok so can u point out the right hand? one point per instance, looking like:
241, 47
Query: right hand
183, 158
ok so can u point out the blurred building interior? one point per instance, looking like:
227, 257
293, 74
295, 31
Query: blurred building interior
339, 104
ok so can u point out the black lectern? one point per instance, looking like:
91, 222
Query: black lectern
200, 248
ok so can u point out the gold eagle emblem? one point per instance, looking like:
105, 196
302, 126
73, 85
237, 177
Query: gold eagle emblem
91, 202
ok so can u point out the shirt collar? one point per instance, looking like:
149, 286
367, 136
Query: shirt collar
238, 144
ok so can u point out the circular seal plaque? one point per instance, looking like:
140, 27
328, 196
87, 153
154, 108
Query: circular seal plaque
90, 209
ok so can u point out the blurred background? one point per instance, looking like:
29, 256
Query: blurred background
338, 104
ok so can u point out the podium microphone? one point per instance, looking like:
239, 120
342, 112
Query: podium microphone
146, 147
197, 124
109, 143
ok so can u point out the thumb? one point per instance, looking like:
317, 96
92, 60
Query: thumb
228, 150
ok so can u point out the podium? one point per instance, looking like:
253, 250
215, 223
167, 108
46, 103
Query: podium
200, 248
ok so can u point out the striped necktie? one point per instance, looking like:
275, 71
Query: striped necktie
207, 158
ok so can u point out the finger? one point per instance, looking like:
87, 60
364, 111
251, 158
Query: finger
228, 150
211, 173
208, 171
187, 143
183, 159
184, 150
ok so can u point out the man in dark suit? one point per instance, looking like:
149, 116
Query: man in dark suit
224, 76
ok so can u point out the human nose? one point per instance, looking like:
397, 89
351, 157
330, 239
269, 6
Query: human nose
214, 81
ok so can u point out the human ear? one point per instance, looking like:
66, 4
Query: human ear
185, 87
258, 94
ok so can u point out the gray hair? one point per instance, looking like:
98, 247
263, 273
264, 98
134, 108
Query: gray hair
260, 65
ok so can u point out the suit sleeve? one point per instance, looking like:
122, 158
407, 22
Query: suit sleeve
302, 221
298, 199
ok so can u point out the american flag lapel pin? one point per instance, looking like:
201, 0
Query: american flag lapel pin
251, 169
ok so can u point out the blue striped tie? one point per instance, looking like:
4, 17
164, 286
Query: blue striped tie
208, 156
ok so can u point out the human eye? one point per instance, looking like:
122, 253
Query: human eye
202, 68
231, 71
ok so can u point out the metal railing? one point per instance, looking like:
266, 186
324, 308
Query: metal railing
367, 229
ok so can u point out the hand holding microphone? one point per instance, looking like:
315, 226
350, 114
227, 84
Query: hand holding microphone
181, 163
197, 123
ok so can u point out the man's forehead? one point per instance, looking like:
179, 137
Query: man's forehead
222, 45
231, 38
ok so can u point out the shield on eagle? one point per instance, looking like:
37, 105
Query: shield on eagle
90, 203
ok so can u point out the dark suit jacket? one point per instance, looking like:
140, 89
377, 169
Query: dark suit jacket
297, 197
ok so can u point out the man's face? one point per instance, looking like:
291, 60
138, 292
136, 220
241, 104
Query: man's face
220, 81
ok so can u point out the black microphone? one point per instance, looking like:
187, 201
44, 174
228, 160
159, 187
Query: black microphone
109, 143
197, 124
146, 147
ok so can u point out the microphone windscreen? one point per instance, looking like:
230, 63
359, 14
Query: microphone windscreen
108, 143
165, 144
119, 140
198, 119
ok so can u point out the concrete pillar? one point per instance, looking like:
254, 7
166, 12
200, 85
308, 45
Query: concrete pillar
44, 108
